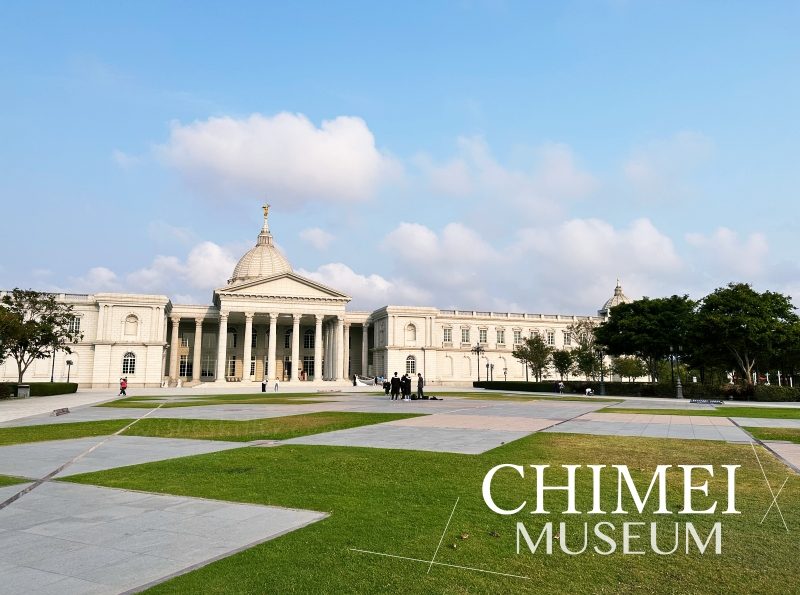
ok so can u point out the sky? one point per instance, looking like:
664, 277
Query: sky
486, 155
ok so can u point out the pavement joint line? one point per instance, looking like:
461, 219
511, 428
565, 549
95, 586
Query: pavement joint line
74, 459
760, 442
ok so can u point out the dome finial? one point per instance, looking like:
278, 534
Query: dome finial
266, 214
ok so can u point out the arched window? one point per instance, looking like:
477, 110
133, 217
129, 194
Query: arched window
131, 325
308, 339
448, 366
411, 365
287, 339
411, 333
129, 363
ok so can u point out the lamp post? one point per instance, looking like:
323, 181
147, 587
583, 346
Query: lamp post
672, 365
53, 367
505, 374
487, 369
678, 386
69, 368
478, 350
491, 369
602, 373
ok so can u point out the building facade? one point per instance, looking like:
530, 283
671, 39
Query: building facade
270, 323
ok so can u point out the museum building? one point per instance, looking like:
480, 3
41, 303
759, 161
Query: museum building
270, 323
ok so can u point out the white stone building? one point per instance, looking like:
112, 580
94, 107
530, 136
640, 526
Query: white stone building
268, 322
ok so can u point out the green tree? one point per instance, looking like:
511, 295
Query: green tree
649, 329
628, 367
584, 357
738, 325
35, 326
586, 362
534, 353
562, 362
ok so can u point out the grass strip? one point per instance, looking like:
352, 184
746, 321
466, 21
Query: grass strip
721, 411
60, 431
398, 502
273, 428
145, 402
784, 434
10, 480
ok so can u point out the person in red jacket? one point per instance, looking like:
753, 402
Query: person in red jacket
123, 386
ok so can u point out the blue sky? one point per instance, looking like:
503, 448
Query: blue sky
503, 155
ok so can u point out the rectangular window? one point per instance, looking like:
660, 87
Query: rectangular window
209, 340
287, 339
482, 335
231, 368
447, 335
208, 366
309, 339
517, 337
185, 366
75, 324
254, 342
465, 335
308, 365
184, 341
551, 338
253, 367
567, 338
501, 336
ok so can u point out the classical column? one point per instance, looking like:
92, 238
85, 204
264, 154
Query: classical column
364, 348
198, 345
248, 345
273, 332
339, 348
327, 348
175, 347
318, 347
222, 345
346, 352
296, 363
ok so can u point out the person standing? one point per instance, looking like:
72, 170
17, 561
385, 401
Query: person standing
395, 385
264, 384
420, 386
123, 386
276, 385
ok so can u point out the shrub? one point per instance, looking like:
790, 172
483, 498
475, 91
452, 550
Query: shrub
776, 393
39, 389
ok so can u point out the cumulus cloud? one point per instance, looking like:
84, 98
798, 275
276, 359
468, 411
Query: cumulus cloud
316, 237
96, 279
551, 177
284, 157
368, 291
662, 169
124, 160
725, 253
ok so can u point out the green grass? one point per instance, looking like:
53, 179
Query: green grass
10, 480
518, 397
60, 431
274, 428
148, 402
721, 411
398, 502
786, 434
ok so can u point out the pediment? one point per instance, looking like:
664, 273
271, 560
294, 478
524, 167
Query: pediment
284, 285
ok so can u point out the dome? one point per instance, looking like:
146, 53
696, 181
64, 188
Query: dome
262, 260
614, 300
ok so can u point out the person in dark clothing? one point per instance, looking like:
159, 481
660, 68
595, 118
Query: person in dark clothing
386, 386
420, 385
406, 386
395, 384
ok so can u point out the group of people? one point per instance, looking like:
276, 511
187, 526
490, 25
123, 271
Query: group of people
400, 387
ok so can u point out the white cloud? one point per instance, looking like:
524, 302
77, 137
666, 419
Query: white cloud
124, 160
284, 158
724, 253
368, 291
161, 231
96, 279
316, 237
662, 169
541, 184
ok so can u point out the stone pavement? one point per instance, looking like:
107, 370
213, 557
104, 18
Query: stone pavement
20, 408
37, 459
68, 538
789, 451
761, 422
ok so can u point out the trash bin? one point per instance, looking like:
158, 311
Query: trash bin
23, 391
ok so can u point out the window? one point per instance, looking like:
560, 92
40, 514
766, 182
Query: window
185, 368
551, 338
567, 338
209, 341
309, 339
517, 337
482, 336
465, 335
287, 339
501, 336
208, 366
232, 338
252, 366
254, 341
131, 325
75, 324
308, 365
411, 365
231, 369
184, 341
447, 334
411, 333
129, 363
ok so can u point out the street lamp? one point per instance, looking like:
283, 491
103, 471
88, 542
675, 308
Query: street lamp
487, 369
505, 374
478, 350
69, 368
602, 373
491, 369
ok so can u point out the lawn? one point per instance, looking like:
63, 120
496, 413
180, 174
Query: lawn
273, 428
9, 480
518, 397
398, 502
721, 411
148, 402
785, 434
